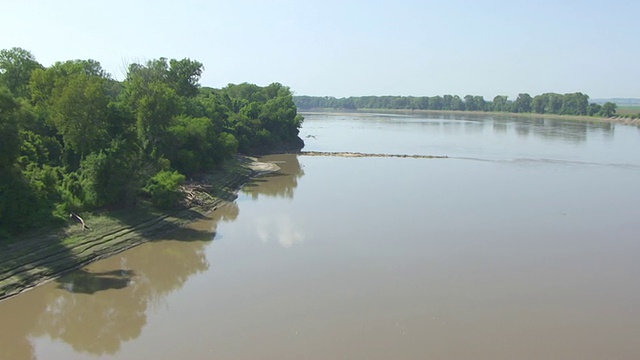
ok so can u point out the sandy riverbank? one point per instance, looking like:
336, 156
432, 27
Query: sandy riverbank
44, 256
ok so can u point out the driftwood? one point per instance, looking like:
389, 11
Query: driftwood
77, 217
196, 193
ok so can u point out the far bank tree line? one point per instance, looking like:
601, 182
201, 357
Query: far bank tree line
548, 103
73, 139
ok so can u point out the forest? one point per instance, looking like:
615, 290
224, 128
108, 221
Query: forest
73, 139
548, 103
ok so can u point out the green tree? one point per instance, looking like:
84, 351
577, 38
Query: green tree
24, 195
474, 103
593, 109
184, 76
16, 66
156, 92
191, 144
80, 113
447, 102
436, 103
608, 109
522, 103
111, 176
154, 111
9, 133
163, 188
481, 104
538, 104
553, 104
470, 103
574, 104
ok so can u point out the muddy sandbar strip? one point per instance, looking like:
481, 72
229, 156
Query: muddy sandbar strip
358, 154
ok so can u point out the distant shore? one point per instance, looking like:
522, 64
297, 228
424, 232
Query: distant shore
614, 119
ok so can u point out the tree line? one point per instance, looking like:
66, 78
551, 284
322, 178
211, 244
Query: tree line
73, 139
548, 103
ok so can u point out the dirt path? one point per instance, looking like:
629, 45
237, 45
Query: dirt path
42, 257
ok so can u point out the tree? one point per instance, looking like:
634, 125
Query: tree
181, 75
9, 135
474, 103
538, 104
553, 104
24, 193
593, 109
46, 85
481, 104
154, 112
184, 76
447, 102
436, 103
156, 92
470, 103
191, 144
16, 66
74, 139
79, 111
608, 109
574, 104
163, 188
522, 103
111, 176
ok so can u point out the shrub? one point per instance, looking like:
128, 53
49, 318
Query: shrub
163, 188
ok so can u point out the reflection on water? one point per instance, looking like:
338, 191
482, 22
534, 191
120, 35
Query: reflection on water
18, 319
530, 253
551, 129
545, 128
277, 227
87, 282
280, 228
495, 136
290, 172
99, 307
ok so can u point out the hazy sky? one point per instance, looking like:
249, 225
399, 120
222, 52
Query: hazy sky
351, 48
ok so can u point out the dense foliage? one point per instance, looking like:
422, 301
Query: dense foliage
73, 139
549, 103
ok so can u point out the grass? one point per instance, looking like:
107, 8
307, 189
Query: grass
628, 111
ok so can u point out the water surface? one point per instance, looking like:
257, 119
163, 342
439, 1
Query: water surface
521, 245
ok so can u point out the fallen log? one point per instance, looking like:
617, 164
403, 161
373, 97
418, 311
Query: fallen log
77, 217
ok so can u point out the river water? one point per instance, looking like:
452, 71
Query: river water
522, 244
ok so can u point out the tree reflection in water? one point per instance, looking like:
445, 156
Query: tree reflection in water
288, 175
18, 318
99, 307
552, 129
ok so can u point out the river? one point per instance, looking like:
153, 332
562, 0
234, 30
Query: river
521, 244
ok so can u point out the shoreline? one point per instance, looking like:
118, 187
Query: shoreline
42, 257
614, 120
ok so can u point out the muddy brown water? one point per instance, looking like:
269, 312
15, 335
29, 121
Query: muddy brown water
523, 244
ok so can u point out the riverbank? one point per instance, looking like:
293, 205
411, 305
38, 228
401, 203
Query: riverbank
43, 256
614, 119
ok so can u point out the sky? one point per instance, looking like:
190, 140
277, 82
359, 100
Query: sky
351, 48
